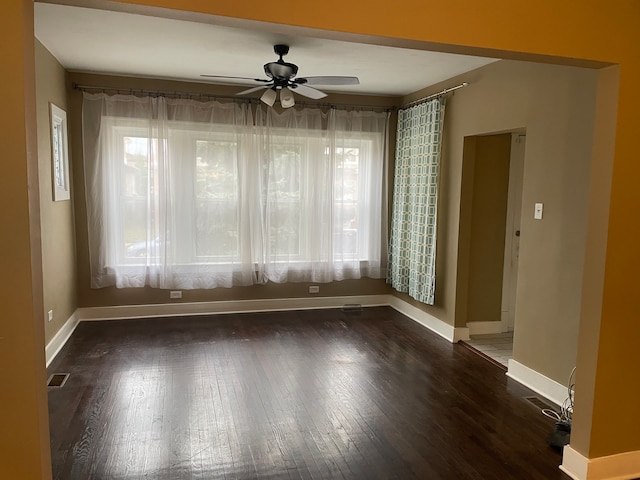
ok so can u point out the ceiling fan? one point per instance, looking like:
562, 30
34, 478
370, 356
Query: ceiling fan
282, 78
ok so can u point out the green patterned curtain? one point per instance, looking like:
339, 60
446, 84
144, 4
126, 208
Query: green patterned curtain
412, 251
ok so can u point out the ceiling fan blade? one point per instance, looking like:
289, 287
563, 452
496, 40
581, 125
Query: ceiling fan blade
254, 89
328, 80
309, 92
236, 78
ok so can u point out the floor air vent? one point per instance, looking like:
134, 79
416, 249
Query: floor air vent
57, 380
351, 307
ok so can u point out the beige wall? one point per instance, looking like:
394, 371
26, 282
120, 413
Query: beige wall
555, 104
489, 194
56, 218
89, 297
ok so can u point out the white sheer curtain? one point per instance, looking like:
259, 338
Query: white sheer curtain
323, 194
163, 192
187, 194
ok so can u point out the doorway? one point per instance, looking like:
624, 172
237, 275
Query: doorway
493, 168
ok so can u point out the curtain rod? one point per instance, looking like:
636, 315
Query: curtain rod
194, 95
435, 95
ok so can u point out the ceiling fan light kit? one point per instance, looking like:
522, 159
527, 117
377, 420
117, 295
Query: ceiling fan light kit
281, 76
286, 98
269, 97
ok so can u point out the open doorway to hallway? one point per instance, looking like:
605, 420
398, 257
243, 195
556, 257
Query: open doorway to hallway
492, 200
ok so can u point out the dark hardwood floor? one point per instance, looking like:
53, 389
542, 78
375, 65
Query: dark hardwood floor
320, 394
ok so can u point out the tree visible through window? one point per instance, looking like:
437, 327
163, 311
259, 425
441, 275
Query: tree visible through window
216, 200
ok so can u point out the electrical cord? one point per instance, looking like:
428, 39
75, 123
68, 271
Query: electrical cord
566, 409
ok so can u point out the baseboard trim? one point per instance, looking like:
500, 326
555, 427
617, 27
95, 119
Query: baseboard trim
60, 338
550, 389
484, 328
451, 333
623, 466
122, 312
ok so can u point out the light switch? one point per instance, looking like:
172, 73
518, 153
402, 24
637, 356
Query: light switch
537, 211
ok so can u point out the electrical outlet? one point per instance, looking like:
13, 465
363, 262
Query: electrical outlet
175, 294
314, 289
50, 315
537, 211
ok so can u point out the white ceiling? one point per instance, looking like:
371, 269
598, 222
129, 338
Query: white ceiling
99, 41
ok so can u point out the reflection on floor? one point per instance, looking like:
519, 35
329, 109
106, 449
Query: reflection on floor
497, 346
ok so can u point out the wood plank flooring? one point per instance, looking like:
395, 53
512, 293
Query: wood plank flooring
320, 394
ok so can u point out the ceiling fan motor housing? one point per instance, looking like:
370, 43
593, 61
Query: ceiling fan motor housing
280, 70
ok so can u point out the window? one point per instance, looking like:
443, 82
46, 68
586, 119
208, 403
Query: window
181, 203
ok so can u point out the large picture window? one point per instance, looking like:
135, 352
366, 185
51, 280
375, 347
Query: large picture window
186, 194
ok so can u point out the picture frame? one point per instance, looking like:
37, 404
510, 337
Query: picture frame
59, 154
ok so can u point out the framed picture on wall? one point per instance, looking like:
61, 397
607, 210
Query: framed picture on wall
59, 154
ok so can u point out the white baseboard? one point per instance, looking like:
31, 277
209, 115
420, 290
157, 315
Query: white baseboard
122, 312
451, 333
60, 339
623, 466
537, 382
269, 305
484, 328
